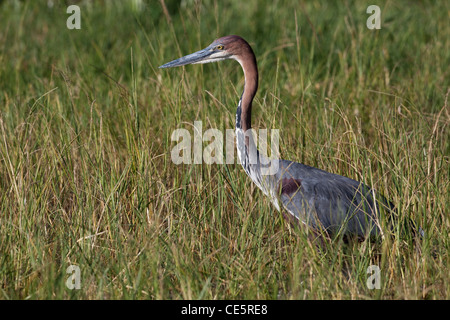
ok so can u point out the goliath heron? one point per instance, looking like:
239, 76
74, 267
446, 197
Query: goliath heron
321, 200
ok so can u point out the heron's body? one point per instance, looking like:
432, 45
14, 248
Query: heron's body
317, 198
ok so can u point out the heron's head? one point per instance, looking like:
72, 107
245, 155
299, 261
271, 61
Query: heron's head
229, 47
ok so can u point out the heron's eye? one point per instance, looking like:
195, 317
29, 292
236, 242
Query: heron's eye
219, 47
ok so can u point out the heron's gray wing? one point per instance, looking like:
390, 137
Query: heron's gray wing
326, 200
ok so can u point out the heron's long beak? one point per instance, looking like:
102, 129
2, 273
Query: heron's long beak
193, 58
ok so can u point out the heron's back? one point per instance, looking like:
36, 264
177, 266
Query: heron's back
329, 201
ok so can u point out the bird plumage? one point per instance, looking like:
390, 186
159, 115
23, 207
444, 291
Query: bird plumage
319, 199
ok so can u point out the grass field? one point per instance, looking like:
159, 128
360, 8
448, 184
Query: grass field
86, 176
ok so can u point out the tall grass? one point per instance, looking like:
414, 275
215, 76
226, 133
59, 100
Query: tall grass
86, 176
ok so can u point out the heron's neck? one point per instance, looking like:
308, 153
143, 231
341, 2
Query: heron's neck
244, 111
246, 147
